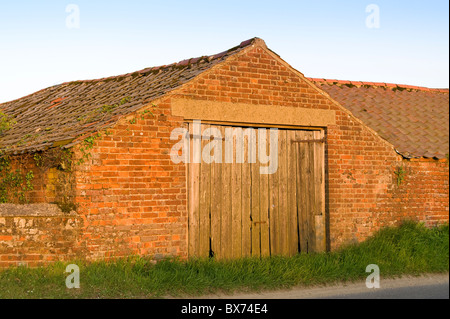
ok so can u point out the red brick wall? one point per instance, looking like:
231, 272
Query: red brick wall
364, 193
49, 183
130, 194
19, 166
423, 194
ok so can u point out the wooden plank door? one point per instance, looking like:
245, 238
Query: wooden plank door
235, 211
310, 193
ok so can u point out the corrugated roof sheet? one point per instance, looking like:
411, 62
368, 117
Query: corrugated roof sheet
414, 119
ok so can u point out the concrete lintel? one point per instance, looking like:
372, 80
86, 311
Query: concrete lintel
252, 114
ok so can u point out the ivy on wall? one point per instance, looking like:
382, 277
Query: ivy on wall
400, 173
14, 183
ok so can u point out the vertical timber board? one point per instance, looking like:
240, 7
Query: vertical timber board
246, 202
292, 228
274, 220
319, 184
302, 191
205, 198
311, 197
283, 194
264, 205
226, 242
236, 199
193, 194
216, 202
255, 206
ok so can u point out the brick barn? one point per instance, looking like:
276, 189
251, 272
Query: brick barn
87, 167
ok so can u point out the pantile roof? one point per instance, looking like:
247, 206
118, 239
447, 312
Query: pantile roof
414, 119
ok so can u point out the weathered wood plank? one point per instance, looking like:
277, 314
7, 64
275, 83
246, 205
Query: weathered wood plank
274, 220
226, 233
193, 195
246, 203
292, 193
274, 227
205, 198
216, 204
310, 188
283, 194
302, 191
255, 206
236, 200
319, 184
264, 203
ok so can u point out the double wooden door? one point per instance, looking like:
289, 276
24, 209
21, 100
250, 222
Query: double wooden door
241, 203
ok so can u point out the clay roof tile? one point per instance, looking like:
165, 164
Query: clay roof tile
414, 119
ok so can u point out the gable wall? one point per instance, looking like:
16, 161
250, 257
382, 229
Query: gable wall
361, 190
359, 163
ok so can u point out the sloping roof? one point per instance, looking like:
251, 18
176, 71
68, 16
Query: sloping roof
413, 119
58, 114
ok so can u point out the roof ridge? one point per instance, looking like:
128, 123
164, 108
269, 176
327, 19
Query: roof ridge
156, 69
181, 63
378, 84
97, 103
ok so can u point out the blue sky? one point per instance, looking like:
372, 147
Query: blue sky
323, 38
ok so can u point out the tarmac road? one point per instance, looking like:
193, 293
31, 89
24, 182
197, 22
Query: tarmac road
433, 286
429, 291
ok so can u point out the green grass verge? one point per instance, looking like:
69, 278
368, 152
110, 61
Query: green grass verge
410, 249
